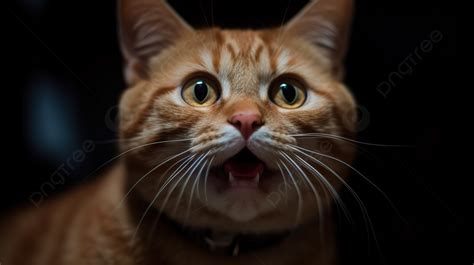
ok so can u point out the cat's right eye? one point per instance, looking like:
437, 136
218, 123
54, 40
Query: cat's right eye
200, 92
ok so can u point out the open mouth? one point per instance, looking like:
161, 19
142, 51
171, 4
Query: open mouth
244, 170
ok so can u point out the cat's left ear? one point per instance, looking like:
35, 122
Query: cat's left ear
326, 24
146, 27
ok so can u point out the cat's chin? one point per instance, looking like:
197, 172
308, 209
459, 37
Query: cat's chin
244, 210
241, 202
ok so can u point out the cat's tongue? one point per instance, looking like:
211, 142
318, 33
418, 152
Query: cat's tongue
244, 170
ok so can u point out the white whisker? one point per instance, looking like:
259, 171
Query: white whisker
298, 192
195, 165
313, 189
367, 220
338, 137
355, 170
168, 181
135, 148
148, 173
205, 179
321, 179
193, 188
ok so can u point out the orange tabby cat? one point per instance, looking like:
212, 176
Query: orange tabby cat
222, 133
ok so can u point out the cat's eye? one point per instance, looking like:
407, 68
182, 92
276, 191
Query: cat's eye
200, 92
287, 93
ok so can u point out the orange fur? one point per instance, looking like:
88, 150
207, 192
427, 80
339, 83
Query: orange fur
100, 223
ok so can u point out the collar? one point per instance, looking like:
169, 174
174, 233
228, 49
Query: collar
227, 243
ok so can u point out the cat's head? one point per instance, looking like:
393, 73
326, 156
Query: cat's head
235, 129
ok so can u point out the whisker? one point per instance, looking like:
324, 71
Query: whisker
322, 180
365, 214
204, 14
338, 137
315, 192
285, 182
298, 192
356, 171
135, 148
205, 179
168, 195
193, 188
212, 13
302, 174
168, 181
149, 172
119, 140
281, 27
155, 222
183, 188
368, 222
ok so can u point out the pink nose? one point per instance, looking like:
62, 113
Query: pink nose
246, 123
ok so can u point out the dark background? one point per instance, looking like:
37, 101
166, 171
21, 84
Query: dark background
63, 67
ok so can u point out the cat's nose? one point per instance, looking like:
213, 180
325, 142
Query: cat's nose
246, 122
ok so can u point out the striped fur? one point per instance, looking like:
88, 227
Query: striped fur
100, 223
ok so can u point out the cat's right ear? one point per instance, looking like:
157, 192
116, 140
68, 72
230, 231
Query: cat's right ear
326, 24
146, 27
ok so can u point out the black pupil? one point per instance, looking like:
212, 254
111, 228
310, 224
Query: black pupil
200, 91
289, 92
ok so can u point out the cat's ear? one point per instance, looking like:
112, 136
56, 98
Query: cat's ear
325, 23
146, 27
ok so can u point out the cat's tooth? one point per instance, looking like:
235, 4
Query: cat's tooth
257, 179
231, 177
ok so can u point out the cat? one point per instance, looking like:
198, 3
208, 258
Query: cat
233, 149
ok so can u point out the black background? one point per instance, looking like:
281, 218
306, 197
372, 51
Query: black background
63, 56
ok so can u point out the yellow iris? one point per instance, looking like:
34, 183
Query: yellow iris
287, 93
200, 92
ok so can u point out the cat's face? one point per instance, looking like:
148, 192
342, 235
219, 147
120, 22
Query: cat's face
230, 111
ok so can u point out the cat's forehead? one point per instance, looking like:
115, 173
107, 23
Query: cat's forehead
260, 52
233, 54
242, 59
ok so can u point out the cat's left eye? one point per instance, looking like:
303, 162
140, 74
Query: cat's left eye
287, 93
200, 92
